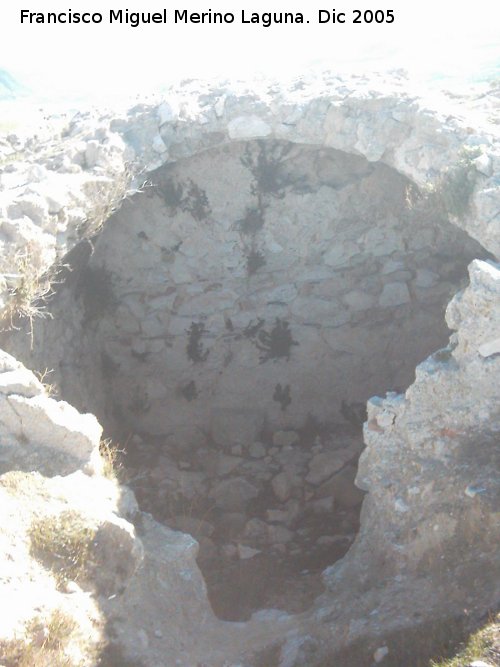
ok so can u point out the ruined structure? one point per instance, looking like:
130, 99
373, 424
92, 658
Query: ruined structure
234, 272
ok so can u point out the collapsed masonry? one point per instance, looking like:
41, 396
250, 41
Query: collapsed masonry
287, 259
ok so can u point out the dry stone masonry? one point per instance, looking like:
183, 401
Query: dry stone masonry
283, 259
253, 309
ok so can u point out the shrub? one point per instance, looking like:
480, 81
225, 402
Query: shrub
457, 184
33, 285
106, 196
194, 348
44, 644
50, 388
265, 161
481, 645
28, 294
282, 396
253, 221
277, 343
111, 456
188, 197
451, 194
255, 261
63, 544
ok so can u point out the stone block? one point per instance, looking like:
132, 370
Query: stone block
92, 153
285, 438
166, 113
234, 494
393, 265
159, 145
325, 464
191, 524
426, 278
340, 254
285, 293
283, 485
245, 552
394, 294
44, 424
236, 426
342, 488
257, 450
248, 127
358, 300
116, 555
226, 464
489, 348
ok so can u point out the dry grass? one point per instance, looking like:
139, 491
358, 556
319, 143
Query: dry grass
10, 158
451, 194
63, 543
481, 645
27, 297
111, 455
33, 286
44, 645
457, 184
50, 388
106, 196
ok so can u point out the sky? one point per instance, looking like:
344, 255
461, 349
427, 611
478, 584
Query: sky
432, 40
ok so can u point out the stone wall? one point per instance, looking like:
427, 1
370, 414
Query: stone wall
271, 281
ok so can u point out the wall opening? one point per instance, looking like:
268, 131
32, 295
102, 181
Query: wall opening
227, 327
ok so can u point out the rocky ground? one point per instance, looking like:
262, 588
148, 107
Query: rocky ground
282, 509
63, 540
